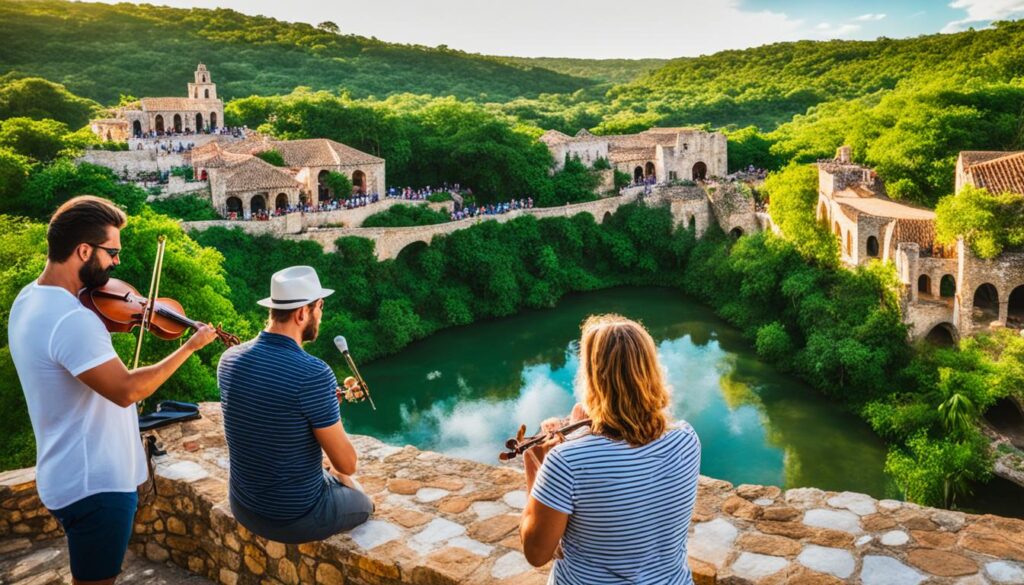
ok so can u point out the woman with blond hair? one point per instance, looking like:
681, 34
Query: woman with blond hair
618, 501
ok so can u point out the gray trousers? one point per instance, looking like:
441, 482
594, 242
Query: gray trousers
341, 508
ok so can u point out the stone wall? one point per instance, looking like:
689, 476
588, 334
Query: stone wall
441, 520
135, 162
295, 223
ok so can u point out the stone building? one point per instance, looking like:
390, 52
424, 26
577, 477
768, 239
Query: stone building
948, 291
664, 154
241, 182
200, 111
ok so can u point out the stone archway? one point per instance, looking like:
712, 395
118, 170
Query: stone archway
985, 306
700, 171
136, 129
159, 123
838, 230
872, 246
947, 286
199, 122
411, 250
638, 174
607, 216
943, 334
213, 120
823, 213
257, 204
359, 182
692, 223
924, 284
177, 122
281, 202
736, 232
649, 170
234, 205
1015, 308
323, 192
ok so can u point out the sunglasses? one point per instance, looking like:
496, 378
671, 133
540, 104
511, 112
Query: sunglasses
112, 252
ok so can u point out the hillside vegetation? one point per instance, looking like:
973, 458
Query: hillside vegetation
152, 51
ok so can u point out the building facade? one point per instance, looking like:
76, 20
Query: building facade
199, 112
659, 154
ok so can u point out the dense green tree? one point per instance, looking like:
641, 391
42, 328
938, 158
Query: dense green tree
47, 187
406, 215
989, 223
339, 184
186, 207
40, 140
272, 157
39, 99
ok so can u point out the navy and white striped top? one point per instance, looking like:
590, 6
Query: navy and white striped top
629, 507
273, 394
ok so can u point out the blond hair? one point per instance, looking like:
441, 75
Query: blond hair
623, 386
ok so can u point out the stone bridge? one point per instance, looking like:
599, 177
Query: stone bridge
689, 206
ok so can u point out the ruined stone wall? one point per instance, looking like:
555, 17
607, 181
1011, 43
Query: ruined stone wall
732, 208
135, 162
442, 520
1005, 272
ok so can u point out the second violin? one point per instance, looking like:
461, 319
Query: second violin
520, 443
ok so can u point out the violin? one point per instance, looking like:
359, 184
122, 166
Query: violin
520, 443
122, 308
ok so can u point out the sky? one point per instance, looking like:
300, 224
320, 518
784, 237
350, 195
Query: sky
599, 29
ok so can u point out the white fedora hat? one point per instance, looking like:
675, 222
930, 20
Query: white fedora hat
294, 287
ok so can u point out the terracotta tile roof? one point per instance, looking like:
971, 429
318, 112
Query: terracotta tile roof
554, 137
321, 152
254, 174
178, 103
1000, 175
863, 201
973, 157
630, 153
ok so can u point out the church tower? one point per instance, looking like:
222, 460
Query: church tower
203, 88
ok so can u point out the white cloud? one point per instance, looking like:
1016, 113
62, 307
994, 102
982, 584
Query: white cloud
827, 31
870, 16
982, 12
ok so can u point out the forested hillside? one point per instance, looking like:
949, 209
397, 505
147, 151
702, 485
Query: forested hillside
768, 85
152, 51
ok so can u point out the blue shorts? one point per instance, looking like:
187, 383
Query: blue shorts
98, 528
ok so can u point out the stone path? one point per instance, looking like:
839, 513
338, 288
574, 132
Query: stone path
24, 562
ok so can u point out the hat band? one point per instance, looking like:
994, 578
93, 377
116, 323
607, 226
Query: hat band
286, 301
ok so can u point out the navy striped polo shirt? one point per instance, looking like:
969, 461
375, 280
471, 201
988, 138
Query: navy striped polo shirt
273, 394
629, 507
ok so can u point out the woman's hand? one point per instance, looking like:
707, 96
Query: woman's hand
534, 458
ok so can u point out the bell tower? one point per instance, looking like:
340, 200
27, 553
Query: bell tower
203, 88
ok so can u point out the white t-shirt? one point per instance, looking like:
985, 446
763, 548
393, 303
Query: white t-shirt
85, 444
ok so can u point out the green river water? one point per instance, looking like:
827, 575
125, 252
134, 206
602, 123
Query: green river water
463, 391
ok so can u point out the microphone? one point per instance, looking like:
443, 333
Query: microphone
342, 346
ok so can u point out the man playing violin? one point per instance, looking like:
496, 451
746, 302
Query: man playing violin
80, 396
281, 416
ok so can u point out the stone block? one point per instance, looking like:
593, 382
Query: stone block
768, 544
494, 529
941, 563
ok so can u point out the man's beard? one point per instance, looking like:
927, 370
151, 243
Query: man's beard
311, 331
92, 274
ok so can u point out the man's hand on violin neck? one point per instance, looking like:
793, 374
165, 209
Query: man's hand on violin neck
202, 337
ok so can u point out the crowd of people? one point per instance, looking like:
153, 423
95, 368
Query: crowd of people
424, 193
473, 210
179, 142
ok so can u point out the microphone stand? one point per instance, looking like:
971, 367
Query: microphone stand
359, 378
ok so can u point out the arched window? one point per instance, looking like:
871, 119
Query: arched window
206, 93
849, 243
986, 303
924, 284
947, 286
873, 246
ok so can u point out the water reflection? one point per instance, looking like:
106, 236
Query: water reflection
465, 391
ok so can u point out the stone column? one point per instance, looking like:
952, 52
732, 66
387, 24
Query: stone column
1004, 309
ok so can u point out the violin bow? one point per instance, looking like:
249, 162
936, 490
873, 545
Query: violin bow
147, 311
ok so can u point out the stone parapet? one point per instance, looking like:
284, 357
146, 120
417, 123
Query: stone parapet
445, 520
